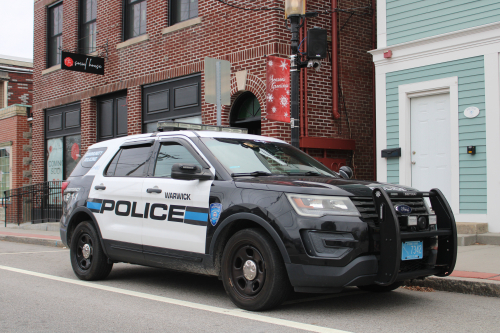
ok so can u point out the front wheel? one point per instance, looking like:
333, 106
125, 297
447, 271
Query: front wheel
87, 257
381, 289
253, 272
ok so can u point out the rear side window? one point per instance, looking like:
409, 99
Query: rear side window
130, 162
88, 161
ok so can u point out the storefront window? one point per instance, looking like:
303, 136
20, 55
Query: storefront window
63, 154
4, 170
71, 153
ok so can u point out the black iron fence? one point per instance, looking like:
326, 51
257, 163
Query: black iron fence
35, 203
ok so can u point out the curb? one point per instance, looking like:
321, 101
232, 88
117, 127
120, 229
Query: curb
458, 286
33, 241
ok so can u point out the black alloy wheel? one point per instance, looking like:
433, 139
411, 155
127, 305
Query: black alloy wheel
253, 272
84, 251
248, 271
87, 256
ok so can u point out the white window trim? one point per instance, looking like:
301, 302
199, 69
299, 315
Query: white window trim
427, 88
9, 150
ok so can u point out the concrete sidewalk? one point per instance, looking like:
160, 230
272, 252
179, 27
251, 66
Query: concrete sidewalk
477, 270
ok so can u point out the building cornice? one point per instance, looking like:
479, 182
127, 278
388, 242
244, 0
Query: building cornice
437, 45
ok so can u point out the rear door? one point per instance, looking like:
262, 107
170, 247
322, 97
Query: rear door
178, 215
115, 198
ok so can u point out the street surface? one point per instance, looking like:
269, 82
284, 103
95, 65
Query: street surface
40, 293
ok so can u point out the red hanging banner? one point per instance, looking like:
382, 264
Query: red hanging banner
278, 89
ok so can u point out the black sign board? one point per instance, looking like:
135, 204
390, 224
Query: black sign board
82, 63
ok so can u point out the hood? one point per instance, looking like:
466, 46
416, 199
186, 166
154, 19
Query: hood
317, 185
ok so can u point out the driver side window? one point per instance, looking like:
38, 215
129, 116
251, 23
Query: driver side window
171, 153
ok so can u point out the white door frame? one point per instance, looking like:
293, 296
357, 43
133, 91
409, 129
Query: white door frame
420, 89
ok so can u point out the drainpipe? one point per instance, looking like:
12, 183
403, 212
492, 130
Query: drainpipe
374, 46
335, 72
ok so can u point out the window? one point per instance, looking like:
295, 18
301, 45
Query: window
135, 18
170, 154
112, 116
130, 162
177, 99
245, 113
62, 133
55, 35
4, 170
182, 10
88, 10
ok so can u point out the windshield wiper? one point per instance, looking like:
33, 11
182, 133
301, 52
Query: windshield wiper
251, 174
307, 173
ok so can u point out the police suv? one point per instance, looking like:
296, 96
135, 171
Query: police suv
261, 215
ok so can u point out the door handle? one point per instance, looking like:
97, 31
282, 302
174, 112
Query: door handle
100, 187
153, 190
413, 162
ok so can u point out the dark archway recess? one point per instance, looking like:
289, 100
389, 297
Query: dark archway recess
245, 113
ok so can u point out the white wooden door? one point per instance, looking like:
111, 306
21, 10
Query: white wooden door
430, 143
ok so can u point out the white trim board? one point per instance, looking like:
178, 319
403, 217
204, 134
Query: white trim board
437, 49
381, 24
492, 107
426, 88
381, 125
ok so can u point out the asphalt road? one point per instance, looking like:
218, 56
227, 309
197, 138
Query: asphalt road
40, 293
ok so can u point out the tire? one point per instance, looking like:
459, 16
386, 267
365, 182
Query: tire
95, 266
270, 286
375, 288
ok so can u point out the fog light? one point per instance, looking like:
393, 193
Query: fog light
432, 219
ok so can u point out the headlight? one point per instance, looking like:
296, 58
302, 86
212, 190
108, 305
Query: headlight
316, 205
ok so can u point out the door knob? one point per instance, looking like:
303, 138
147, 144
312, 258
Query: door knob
413, 162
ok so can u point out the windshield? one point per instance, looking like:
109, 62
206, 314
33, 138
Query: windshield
243, 156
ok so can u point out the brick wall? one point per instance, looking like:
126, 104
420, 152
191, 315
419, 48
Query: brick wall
244, 38
12, 129
20, 89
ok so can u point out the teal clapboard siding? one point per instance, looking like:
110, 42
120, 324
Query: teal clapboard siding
409, 20
470, 73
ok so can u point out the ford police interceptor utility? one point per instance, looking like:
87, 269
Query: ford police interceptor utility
261, 215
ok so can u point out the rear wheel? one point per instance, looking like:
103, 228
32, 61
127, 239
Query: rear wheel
87, 257
381, 289
253, 271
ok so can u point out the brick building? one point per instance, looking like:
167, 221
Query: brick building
16, 94
154, 54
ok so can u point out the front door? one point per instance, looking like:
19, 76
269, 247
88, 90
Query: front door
178, 216
430, 143
115, 198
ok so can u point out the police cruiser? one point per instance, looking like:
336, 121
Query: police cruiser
261, 215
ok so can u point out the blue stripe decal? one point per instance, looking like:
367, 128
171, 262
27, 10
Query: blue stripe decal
195, 216
94, 205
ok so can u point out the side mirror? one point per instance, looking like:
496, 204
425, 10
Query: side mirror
190, 172
345, 172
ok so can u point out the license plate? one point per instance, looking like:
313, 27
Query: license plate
412, 250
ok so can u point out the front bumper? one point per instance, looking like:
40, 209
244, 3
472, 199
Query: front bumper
385, 268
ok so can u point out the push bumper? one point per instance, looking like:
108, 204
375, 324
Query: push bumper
384, 269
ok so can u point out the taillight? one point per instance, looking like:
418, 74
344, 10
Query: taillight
63, 186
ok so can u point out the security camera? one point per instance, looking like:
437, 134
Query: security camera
313, 63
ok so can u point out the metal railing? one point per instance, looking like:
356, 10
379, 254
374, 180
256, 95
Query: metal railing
35, 203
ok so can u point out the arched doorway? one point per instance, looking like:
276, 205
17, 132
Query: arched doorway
245, 113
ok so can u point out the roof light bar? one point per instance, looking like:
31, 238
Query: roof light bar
165, 126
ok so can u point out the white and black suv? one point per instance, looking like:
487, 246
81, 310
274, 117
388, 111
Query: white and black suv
258, 213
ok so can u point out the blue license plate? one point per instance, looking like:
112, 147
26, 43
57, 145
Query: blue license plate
412, 250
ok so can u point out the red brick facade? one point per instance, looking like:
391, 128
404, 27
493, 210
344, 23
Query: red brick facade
244, 38
16, 84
